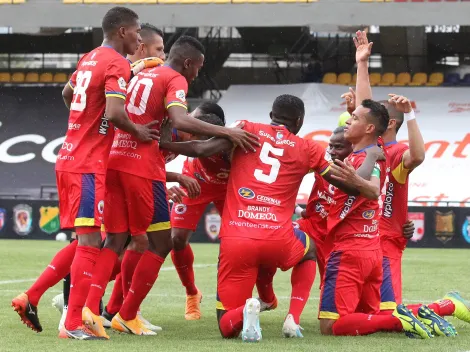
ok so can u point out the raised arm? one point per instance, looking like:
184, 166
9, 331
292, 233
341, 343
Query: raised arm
363, 51
415, 155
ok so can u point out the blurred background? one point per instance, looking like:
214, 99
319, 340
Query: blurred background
255, 51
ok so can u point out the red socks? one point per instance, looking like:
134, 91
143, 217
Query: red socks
55, 271
183, 261
444, 307
302, 278
364, 324
264, 284
116, 299
104, 268
80, 273
231, 323
128, 265
144, 277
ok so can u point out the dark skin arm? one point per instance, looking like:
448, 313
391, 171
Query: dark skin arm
67, 95
182, 122
190, 184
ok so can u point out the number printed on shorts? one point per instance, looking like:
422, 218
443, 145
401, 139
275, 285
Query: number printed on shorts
266, 159
79, 92
134, 87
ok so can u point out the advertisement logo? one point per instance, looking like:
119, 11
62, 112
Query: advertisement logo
246, 193
466, 229
212, 223
49, 219
444, 226
368, 214
418, 220
23, 219
180, 209
3, 216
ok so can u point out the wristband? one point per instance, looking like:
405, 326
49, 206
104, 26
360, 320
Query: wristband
410, 115
298, 210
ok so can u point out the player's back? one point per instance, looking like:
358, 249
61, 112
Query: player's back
101, 73
147, 101
263, 186
395, 198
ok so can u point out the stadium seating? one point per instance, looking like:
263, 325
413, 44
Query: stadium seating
60, 78
465, 80
32, 77
435, 79
344, 78
330, 78
375, 78
17, 77
46, 77
177, 1
387, 79
419, 79
5, 77
12, 1
403, 79
451, 79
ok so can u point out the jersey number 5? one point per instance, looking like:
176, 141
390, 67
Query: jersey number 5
79, 92
266, 159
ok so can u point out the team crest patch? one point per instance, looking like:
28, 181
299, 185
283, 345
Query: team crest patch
418, 220
122, 83
3, 216
368, 214
49, 219
466, 229
100, 206
444, 226
180, 209
246, 193
23, 219
279, 135
181, 95
212, 223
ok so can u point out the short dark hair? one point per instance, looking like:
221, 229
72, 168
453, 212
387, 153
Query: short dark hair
186, 46
378, 115
117, 17
393, 113
209, 107
288, 107
147, 29
339, 129
213, 119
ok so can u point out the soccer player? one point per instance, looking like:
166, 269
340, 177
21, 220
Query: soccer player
135, 199
350, 298
256, 228
95, 96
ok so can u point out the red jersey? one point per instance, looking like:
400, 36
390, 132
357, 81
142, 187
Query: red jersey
354, 220
319, 202
262, 187
213, 170
395, 202
101, 73
151, 93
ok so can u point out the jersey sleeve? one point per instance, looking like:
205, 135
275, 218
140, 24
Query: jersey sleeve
176, 92
399, 172
117, 75
317, 158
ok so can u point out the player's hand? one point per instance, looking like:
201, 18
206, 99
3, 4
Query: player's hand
350, 98
345, 173
165, 132
148, 62
146, 133
244, 140
191, 185
400, 103
376, 152
408, 229
363, 47
176, 194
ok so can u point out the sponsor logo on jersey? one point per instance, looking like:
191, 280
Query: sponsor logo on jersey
122, 83
268, 200
100, 206
418, 220
466, 229
371, 228
256, 215
212, 223
3, 216
444, 226
104, 126
74, 126
67, 146
279, 135
180, 209
49, 219
368, 214
22, 219
199, 177
181, 95
347, 206
246, 193
388, 210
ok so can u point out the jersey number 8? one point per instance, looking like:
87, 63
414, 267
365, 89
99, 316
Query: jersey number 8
266, 159
79, 92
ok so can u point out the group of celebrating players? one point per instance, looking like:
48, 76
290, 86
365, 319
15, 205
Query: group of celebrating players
128, 117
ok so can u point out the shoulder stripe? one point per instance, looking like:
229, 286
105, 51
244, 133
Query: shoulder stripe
176, 103
115, 95
325, 170
71, 84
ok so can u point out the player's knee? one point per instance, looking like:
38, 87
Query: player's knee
179, 239
90, 240
160, 242
326, 326
116, 242
139, 243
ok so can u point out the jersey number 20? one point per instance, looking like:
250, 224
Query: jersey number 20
266, 159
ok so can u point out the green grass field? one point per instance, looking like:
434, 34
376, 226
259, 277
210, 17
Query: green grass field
428, 274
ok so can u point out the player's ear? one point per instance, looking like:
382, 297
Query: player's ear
370, 128
187, 63
122, 31
271, 115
